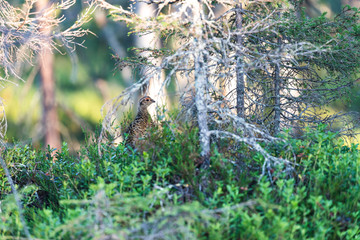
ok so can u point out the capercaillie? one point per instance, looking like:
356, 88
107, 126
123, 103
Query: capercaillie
142, 122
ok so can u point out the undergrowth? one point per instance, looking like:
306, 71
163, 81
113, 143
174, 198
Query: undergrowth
160, 191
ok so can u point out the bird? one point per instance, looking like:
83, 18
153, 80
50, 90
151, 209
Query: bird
138, 127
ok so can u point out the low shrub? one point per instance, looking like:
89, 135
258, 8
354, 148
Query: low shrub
161, 192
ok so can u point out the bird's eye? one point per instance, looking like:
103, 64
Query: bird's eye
147, 99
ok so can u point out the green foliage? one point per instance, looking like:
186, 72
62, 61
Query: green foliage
162, 191
339, 35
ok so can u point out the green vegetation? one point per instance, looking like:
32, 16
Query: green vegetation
162, 193
216, 176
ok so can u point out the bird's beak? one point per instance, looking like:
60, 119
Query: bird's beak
152, 100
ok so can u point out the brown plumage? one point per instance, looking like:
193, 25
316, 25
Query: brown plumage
142, 122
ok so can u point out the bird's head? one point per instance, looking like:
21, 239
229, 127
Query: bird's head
145, 101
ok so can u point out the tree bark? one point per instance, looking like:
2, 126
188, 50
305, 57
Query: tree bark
50, 117
277, 87
201, 84
200, 101
240, 81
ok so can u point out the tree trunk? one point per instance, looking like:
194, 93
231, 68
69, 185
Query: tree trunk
109, 33
240, 83
277, 87
50, 118
155, 89
201, 84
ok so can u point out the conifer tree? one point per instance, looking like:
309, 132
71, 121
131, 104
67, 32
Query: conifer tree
280, 68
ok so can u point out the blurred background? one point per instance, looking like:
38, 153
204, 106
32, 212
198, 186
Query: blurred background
85, 80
